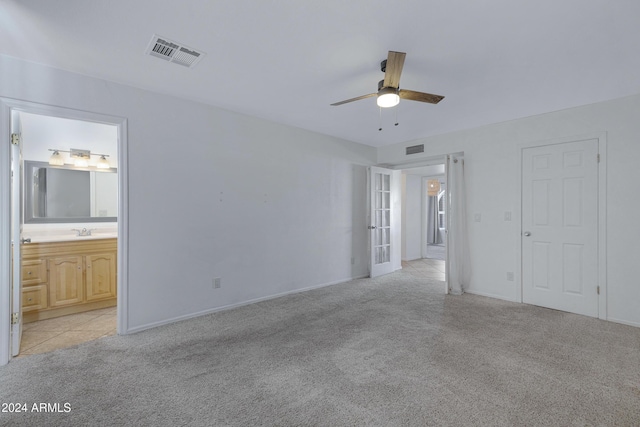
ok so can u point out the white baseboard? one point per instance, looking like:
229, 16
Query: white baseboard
235, 305
610, 319
624, 322
490, 295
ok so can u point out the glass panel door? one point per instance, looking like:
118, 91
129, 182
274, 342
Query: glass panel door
381, 231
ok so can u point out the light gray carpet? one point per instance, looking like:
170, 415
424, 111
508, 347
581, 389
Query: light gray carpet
391, 351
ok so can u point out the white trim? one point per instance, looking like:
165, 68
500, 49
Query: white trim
624, 322
239, 304
122, 322
416, 163
6, 106
491, 295
601, 137
5, 233
603, 301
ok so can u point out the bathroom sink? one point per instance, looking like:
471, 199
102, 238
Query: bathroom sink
70, 237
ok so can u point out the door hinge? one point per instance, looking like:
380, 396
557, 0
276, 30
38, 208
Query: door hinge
14, 318
15, 138
598, 289
598, 157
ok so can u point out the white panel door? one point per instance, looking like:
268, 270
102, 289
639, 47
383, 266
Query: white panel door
16, 234
380, 228
560, 226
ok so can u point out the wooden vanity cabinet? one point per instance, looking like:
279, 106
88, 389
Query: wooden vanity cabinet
60, 278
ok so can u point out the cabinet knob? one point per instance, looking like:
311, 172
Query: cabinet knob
30, 299
29, 272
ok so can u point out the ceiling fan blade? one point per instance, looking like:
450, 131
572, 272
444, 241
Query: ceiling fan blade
354, 99
412, 95
395, 62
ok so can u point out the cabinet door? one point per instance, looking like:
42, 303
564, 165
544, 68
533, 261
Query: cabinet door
65, 281
101, 276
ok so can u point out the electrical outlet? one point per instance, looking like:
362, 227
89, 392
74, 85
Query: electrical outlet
507, 216
510, 276
217, 283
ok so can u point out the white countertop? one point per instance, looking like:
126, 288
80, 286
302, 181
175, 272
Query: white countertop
68, 237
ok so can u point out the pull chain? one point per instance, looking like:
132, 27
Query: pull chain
397, 107
380, 128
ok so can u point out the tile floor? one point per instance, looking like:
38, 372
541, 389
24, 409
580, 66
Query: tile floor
436, 251
428, 268
48, 335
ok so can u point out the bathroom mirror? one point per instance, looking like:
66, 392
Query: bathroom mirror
69, 194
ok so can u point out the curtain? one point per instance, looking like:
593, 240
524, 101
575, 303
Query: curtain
459, 256
433, 231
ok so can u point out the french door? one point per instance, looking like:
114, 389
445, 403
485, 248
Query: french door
382, 212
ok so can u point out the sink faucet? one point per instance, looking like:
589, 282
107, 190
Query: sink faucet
83, 232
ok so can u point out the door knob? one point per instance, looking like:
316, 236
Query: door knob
527, 233
27, 240
372, 227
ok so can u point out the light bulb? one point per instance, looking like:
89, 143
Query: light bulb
103, 163
81, 162
56, 159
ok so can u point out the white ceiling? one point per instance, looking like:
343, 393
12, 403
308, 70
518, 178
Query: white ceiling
287, 60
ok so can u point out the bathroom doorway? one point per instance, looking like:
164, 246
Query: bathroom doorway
70, 215
70, 286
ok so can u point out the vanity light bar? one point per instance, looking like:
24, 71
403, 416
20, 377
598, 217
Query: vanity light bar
81, 158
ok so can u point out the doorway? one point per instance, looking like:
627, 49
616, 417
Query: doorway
60, 202
424, 221
434, 229
58, 284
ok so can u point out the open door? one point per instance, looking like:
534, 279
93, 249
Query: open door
16, 233
382, 201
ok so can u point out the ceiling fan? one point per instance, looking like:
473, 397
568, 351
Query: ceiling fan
389, 93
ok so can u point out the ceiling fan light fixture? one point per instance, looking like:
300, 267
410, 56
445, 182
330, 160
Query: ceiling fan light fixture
388, 97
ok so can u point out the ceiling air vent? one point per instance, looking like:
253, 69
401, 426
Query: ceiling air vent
415, 149
163, 48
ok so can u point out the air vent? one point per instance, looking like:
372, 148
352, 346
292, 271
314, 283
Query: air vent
163, 48
415, 149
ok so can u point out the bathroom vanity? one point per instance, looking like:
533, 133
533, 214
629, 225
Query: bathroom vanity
68, 276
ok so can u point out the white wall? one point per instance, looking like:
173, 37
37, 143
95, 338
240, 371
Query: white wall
267, 208
492, 171
411, 217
